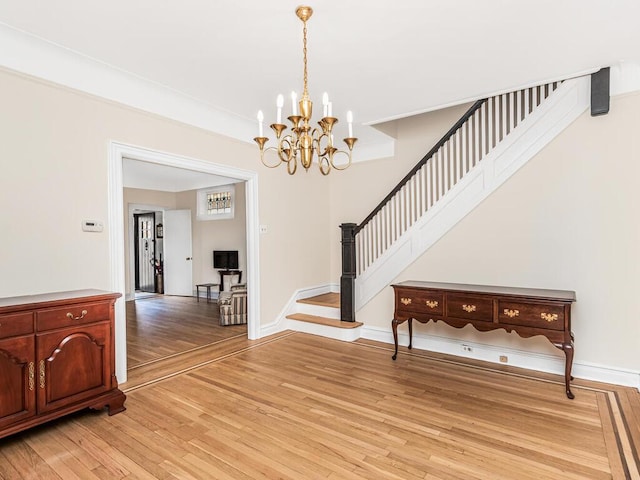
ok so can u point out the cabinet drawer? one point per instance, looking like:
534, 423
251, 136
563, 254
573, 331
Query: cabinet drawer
531, 315
420, 302
17, 324
72, 315
470, 307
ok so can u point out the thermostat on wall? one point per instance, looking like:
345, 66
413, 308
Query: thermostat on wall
92, 226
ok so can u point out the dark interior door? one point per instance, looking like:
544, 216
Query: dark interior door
145, 252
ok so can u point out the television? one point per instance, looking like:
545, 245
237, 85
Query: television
225, 259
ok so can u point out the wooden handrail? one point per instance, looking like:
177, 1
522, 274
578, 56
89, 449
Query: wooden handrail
421, 163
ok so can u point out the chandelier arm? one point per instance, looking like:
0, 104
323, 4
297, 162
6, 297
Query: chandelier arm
340, 152
264, 162
325, 165
286, 149
292, 166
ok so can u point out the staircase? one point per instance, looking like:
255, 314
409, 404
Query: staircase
494, 138
320, 315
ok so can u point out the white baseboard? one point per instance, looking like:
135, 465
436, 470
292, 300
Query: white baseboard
539, 362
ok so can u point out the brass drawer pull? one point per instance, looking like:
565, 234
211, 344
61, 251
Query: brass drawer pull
70, 315
549, 317
405, 301
431, 303
41, 373
469, 308
511, 313
32, 375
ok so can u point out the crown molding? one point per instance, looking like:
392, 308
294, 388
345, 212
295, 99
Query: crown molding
31, 55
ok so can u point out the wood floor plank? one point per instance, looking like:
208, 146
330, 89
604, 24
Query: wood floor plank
297, 406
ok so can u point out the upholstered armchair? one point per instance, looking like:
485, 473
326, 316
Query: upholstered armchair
233, 308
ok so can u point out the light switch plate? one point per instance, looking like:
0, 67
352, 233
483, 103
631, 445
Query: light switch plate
92, 226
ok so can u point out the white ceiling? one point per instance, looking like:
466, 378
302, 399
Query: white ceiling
152, 176
382, 60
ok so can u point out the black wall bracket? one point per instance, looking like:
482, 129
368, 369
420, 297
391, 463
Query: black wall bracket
600, 92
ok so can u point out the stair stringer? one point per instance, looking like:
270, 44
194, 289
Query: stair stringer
555, 114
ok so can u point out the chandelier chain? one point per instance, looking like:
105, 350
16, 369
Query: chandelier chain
305, 93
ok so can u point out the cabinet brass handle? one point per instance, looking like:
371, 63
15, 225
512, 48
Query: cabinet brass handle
549, 317
511, 313
405, 301
41, 373
32, 376
431, 303
469, 308
82, 314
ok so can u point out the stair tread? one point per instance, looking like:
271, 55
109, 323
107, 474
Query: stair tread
331, 322
330, 299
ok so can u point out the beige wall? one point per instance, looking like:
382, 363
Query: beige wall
569, 219
212, 235
54, 175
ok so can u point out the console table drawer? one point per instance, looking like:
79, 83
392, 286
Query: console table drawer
421, 302
549, 317
470, 307
79, 314
14, 325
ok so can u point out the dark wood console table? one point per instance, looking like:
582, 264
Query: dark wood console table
526, 311
224, 273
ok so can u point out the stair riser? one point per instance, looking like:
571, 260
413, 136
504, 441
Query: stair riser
317, 310
343, 334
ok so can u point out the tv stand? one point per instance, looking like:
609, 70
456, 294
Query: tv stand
223, 273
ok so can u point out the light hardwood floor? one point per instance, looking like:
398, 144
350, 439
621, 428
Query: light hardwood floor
161, 325
297, 406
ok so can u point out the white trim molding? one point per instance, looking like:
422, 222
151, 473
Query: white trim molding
119, 151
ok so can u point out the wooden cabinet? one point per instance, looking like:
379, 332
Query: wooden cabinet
526, 311
56, 357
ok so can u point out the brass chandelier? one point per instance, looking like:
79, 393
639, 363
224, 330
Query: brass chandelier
304, 143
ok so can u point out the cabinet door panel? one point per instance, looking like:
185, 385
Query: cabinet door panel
73, 365
17, 380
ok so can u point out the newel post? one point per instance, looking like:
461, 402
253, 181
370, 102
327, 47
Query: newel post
348, 277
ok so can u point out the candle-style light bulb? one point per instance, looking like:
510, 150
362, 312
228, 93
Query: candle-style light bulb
329, 109
350, 122
325, 103
294, 103
260, 119
279, 104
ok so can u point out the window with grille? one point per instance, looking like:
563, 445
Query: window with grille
216, 203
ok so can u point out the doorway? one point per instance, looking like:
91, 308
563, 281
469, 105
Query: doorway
144, 253
117, 154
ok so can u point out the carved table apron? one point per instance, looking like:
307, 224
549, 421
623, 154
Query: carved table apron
526, 311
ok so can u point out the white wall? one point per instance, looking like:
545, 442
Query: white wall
229, 234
